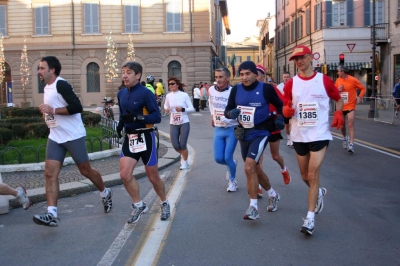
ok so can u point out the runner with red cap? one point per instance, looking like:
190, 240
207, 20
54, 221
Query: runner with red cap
306, 100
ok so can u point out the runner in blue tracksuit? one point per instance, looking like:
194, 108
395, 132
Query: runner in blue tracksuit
249, 103
138, 113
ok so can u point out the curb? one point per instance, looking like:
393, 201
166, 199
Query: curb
37, 195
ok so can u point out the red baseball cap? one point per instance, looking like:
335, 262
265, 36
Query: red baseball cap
261, 69
300, 50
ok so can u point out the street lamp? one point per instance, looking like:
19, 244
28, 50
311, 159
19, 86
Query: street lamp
371, 112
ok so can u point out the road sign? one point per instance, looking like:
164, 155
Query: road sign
316, 55
351, 46
316, 63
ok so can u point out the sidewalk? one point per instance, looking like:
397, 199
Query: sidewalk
31, 176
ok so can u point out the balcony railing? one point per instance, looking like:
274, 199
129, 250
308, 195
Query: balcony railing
381, 32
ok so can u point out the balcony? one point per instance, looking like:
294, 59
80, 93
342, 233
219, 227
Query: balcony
381, 32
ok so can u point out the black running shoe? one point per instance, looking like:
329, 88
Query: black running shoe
46, 219
107, 201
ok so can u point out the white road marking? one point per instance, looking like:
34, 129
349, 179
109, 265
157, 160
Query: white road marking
152, 248
126, 231
372, 148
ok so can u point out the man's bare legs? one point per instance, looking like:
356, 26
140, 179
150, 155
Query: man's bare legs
310, 165
51, 171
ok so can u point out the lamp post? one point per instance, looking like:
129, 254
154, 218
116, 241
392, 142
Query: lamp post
371, 112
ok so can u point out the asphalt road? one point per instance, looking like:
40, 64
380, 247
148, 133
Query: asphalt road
358, 226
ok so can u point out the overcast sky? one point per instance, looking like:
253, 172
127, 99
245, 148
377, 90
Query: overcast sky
243, 16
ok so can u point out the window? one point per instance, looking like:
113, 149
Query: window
338, 13
173, 15
238, 59
248, 58
132, 16
379, 11
398, 9
174, 69
308, 21
293, 38
91, 18
317, 16
3, 20
42, 20
299, 27
92, 77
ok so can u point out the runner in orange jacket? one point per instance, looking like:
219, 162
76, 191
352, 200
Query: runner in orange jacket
348, 86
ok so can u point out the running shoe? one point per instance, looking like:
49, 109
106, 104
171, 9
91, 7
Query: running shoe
232, 186
23, 198
351, 148
251, 213
165, 211
184, 166
273, 203
286, 176
260, 192
396, 114
320, 200
107, 201
308, 226
289, 142
136, 213
345, 142
46, 219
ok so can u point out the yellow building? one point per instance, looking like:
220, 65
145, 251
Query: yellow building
170, 37
248, 50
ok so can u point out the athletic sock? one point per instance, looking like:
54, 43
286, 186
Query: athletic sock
310, 215
271, 193
104, 193
253, 202
166, 201
52, 210
284, 169
139, 204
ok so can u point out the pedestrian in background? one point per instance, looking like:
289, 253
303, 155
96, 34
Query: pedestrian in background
203, 96
178, 104
62, 110
396, 95
285, 78
196, 97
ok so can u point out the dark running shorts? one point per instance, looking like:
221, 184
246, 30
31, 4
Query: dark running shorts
303, 149
346, 112
149, 156
275, 137
76, 148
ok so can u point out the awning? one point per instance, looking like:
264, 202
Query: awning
351, 65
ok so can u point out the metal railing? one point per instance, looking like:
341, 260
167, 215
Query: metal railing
381, 32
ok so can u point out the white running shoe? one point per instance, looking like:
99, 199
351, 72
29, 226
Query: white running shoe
308, 226
350, 148
23, 198
232, 186
184, 166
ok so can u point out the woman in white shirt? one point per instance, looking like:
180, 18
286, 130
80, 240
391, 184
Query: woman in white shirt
178, 104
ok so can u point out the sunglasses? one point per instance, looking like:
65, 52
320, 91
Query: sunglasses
170, 84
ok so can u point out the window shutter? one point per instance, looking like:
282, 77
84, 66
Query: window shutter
38, 21
128, 18
45, 20
367, 12
350, 14
95, 18
87, 24
308, 21
328, 14
136, 18
315, 18
3, 20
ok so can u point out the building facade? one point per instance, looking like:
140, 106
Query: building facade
329, 28
170, 37
267, 47
247, 50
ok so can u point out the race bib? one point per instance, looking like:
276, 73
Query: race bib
137, 143
50, 120
219, 118
345, 97
246, 117
307, 114
176, 118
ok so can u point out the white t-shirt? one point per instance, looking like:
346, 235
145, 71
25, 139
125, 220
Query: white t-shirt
69, 127
196, 93
280, 87
218, 101
178, 99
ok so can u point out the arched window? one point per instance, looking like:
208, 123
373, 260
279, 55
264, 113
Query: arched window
92, 77
174, 69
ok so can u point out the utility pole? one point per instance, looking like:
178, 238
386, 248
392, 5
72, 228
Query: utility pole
371, 112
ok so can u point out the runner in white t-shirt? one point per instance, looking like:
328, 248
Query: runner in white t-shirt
285, 78
306, 100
